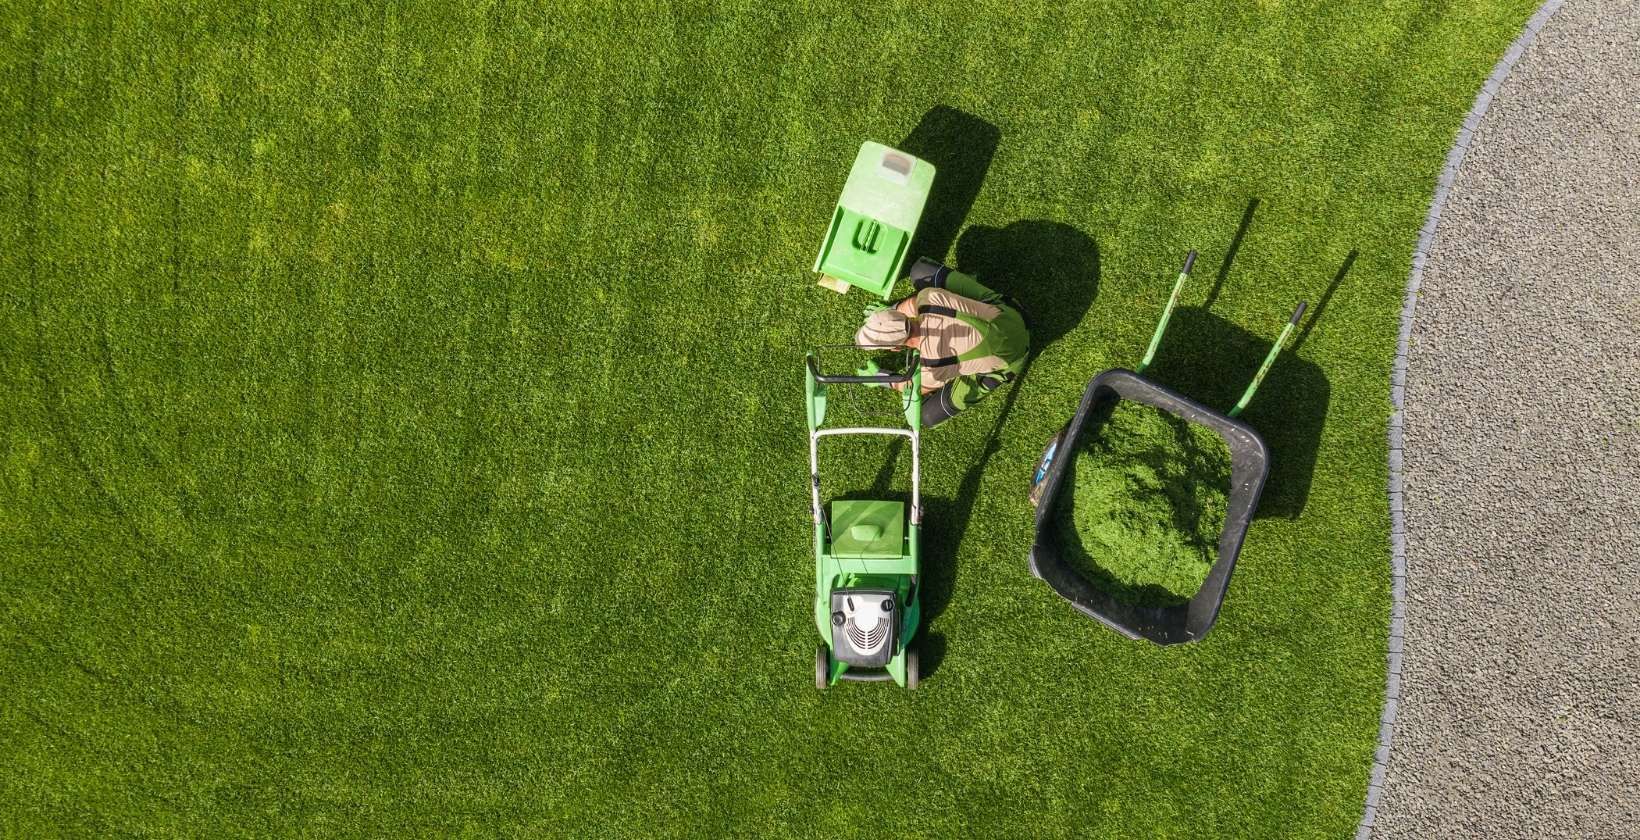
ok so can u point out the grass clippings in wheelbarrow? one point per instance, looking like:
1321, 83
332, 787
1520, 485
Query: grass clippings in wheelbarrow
1147, 505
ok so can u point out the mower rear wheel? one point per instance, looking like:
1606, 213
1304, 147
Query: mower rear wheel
911, 668
822, 667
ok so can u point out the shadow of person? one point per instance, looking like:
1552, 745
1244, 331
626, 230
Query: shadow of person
1051, 270
960, 145
1211, 361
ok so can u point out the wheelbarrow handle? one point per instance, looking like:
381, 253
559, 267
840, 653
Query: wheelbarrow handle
1275, 349
1167, 312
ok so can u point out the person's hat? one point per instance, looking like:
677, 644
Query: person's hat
884, 328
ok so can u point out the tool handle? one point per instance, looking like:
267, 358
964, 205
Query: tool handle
883, 378
1167, 312
1275, 349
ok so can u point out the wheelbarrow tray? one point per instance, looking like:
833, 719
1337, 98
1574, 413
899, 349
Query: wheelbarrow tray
1249, 466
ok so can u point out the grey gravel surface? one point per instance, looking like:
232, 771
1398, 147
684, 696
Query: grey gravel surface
1519, 696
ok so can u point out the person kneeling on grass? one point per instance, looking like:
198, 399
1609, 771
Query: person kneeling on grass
971, 339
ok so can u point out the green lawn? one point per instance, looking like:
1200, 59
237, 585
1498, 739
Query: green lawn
402, 418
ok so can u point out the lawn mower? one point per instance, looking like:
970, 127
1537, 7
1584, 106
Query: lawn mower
866, 600
1249, 466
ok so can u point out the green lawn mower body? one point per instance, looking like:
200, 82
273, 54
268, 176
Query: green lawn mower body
866, 561
871, 228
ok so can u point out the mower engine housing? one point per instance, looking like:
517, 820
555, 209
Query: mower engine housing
864, 626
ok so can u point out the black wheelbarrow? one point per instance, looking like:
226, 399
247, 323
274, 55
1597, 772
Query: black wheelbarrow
1249, 466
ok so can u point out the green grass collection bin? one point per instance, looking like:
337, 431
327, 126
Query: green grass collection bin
871, 228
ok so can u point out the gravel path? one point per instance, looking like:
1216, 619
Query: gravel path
1519, 690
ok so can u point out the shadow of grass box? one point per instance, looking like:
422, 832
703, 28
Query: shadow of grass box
1147, 501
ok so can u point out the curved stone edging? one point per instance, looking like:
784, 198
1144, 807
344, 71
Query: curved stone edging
1398, 379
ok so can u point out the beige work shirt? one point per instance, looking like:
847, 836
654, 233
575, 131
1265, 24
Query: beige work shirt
943, 335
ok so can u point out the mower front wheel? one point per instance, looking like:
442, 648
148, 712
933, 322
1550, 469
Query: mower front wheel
822, 667
911, 668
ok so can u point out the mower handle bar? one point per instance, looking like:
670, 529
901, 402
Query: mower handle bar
855, 379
